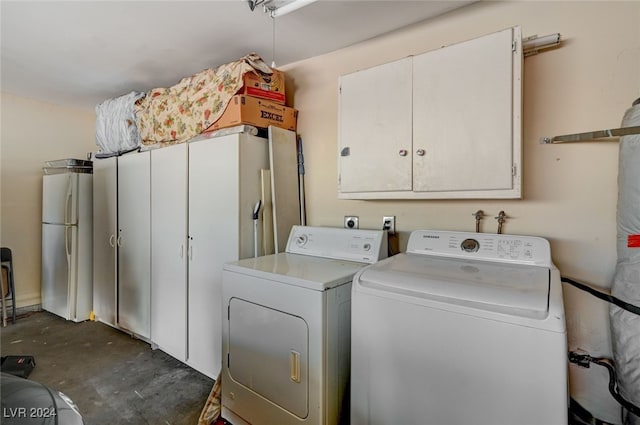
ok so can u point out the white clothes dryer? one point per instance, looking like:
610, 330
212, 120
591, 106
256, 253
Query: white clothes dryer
464, 328
286, 331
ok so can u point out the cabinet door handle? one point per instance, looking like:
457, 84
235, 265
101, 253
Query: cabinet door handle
420, 152
112, 241
294, 366
402, 152
119, 241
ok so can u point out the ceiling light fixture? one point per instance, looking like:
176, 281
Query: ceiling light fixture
277, 8
288, 7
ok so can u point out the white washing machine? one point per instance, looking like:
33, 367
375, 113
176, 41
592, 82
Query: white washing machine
465, 328
286, 331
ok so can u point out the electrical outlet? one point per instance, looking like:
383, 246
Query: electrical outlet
351, 222
389, 223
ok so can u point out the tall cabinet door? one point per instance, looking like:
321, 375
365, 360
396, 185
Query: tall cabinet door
105, 231
224, 185
134, 243
213, 238
376, 156
169, 249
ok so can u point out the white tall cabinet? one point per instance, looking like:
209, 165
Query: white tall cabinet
134, 243
169, 249
169, 219
105, 231
224, 186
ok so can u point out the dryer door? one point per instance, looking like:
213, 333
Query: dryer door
268, 353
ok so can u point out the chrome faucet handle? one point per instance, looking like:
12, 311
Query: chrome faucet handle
502, 217
478, 215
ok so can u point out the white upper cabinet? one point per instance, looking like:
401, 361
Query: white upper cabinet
440, 125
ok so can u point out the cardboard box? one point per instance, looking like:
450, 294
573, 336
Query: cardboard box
257, 112
270, 87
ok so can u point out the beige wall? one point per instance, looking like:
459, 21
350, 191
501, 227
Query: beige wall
570, 190
32, 133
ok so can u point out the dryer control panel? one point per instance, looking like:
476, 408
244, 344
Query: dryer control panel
364, 246
482, 246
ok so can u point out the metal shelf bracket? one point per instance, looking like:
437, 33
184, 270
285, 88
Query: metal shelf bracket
591, 135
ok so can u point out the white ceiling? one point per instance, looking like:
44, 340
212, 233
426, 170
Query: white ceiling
79, 53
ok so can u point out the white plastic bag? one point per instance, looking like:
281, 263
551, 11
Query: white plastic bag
116, 126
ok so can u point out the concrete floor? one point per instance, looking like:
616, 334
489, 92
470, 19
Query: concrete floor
113, 378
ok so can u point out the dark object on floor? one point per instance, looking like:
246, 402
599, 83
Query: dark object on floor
6, 259
114, 379
18, 365
26, 402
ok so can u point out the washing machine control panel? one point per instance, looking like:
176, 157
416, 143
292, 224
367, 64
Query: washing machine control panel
482, 246
359, 245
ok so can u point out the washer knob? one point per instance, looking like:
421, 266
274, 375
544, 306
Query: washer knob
301, 240
470, 245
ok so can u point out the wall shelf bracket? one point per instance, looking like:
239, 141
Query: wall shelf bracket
598, 135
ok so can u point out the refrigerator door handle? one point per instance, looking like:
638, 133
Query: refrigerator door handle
67, 247
67, 203
67, 244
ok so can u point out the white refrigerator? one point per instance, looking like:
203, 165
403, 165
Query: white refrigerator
67, 248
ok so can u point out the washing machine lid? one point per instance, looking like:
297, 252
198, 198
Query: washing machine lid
305, 271
516, 289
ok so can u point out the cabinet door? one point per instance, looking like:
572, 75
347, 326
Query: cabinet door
466, 118
213, 238
224, 185
134, 243
105, 231
169, 249
375, 129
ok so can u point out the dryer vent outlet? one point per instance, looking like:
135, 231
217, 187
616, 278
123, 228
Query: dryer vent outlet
351, 222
